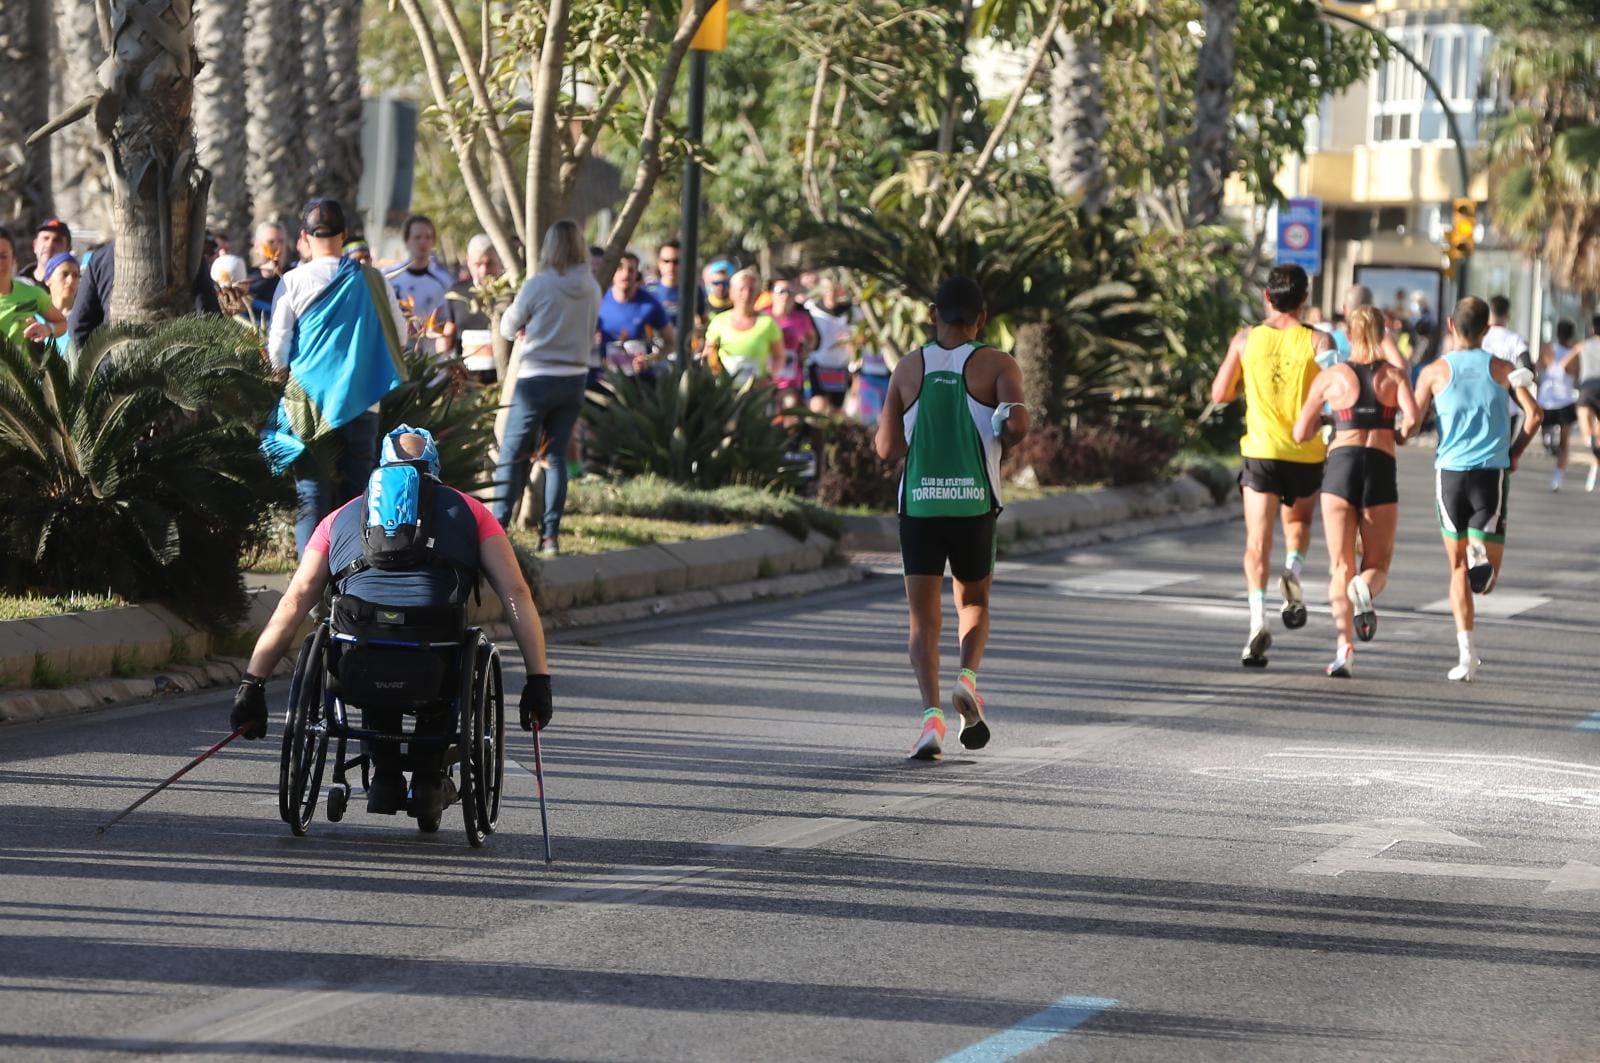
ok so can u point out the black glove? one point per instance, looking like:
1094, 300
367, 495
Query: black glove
536, 702
250, 707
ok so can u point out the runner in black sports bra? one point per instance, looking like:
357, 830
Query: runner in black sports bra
1359, 489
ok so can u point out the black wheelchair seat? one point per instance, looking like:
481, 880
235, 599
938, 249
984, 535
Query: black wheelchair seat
394, 658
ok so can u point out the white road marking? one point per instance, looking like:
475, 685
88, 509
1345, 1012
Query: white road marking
1366, 842
248, 1015
1408, 756
1504, 606
1121, 581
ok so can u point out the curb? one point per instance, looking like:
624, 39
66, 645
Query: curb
1036, 519
570, 592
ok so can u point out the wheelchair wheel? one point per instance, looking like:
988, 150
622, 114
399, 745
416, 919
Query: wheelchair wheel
483, 755
305, 738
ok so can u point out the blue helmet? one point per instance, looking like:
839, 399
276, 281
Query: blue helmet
430, 452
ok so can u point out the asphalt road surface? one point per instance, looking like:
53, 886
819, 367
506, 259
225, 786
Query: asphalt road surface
1161, 856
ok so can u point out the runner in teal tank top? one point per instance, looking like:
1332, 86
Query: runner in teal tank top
1474, 462
949, 409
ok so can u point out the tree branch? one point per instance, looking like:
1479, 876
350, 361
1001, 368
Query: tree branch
499, 151
1041, 45
546, 91
649, 168
477, 188
808, 163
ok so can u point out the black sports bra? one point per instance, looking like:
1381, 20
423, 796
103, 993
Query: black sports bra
1367, 412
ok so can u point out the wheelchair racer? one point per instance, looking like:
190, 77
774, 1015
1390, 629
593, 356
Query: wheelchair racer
468, 542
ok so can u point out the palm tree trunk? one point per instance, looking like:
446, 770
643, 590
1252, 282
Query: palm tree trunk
158, 189
1078, 119
340, 173
275, 127
77, 165
1211, 143
313, 86
220, 115
24, 107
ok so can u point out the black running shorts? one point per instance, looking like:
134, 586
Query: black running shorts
967, 543
1362, 476
1472, 504
1561, 416
831, 384
1289, 480
1589, 393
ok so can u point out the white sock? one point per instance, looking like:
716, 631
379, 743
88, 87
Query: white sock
1294, 562
1258, 609
1464, 644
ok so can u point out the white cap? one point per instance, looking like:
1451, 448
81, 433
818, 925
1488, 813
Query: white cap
229, 269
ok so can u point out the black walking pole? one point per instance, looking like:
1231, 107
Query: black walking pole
538, 775
180, 773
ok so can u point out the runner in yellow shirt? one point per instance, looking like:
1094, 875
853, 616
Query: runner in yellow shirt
1276, 361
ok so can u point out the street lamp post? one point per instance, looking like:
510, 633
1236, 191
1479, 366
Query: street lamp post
1463, 158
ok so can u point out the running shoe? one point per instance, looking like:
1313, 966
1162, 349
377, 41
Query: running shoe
549, 547
1555, 481
1465, 671
1294, 602
1343, 665
387, 795
1360, 596
1594, 472
1480, 573
1255, 651
930, 745
969, 705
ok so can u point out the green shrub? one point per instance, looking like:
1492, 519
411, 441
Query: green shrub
132, 468
853, 474
1118, 454
1211, 471
693, 427
652, 496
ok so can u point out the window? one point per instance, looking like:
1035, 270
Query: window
1403, 108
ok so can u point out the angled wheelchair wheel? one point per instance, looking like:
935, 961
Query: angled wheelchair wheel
305, 737
483, 732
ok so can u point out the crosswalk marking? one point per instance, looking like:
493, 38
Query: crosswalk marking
1498, 605
1121, 581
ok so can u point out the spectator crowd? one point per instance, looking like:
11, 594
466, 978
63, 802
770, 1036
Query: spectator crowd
341, 324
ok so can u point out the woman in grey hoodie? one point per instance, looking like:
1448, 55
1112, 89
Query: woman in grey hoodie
553, 323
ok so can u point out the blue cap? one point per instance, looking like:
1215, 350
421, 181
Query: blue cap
722, 265
430, 452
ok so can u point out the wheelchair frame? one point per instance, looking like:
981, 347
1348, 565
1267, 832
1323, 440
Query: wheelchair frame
475, 739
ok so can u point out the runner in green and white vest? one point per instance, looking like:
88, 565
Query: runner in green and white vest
950, 409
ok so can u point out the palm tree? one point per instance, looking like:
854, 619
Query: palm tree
1544, 149
77, 167
24, 106
275, 127
1076, 158
221, 116
339, 158
133, 466
1211, 142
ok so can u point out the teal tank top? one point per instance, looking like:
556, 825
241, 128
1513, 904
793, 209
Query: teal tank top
1474, 421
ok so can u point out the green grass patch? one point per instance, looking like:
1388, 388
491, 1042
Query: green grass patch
29, 606
598, 533
47, 676
649, 496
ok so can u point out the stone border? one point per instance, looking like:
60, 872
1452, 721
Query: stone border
109, 655
1055, 516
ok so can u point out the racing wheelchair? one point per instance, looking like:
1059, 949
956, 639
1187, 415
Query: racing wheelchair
421, 663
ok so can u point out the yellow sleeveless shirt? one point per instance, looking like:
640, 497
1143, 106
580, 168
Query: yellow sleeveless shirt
1278, 366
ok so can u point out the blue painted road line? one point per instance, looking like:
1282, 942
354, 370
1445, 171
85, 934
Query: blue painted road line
1592, 723
1064, 1016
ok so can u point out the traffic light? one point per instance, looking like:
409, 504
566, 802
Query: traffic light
1459, 241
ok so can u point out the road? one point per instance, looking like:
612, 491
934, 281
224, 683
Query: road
1161, 856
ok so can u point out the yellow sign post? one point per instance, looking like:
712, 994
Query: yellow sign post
713, 33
